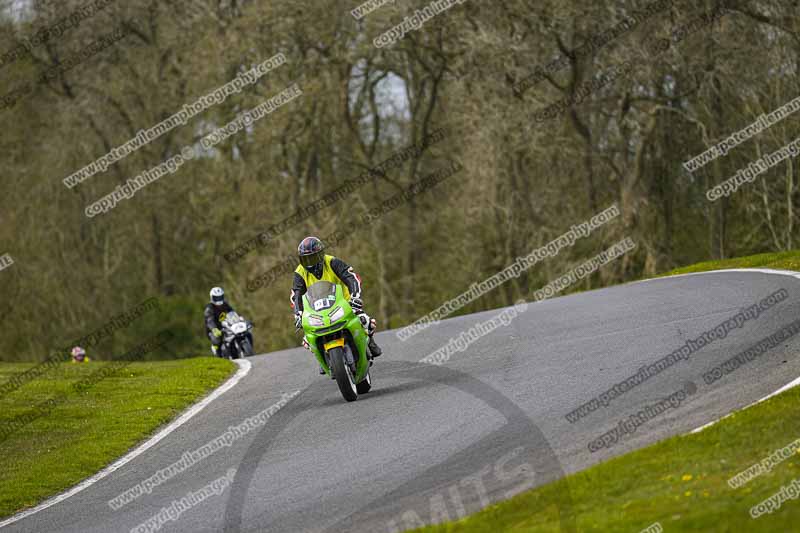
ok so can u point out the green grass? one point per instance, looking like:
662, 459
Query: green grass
781, 260
680, 482
89, 430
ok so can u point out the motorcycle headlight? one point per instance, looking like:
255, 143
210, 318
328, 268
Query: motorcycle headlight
337, 314
316, 321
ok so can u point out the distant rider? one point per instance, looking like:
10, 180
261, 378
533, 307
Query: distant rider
316, 266
214, 313
79, 355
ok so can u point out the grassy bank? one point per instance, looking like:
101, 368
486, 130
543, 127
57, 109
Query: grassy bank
781, 260
84, 431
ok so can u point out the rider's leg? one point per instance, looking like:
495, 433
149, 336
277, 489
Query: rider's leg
374, 349
224, 350
215, 341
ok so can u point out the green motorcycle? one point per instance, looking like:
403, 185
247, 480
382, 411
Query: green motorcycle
335, 335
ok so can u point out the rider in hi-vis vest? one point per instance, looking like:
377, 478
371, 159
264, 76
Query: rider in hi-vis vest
316, 266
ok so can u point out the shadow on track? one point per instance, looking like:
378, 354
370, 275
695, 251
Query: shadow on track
507, 461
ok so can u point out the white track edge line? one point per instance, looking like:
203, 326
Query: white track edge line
244, 367
774, 271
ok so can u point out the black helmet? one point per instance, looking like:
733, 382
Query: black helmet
311, 252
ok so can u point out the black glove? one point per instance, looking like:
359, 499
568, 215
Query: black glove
357, 305
298, 320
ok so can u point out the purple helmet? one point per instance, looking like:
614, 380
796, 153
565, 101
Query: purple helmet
311, 252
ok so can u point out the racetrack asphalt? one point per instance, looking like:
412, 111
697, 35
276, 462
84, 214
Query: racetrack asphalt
431, 443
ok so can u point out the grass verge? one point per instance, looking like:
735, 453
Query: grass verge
85, 431
781, 260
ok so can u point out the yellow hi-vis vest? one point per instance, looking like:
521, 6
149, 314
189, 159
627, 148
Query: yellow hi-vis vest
327, 275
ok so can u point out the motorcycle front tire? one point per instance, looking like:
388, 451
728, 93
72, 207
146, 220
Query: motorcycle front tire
343, 375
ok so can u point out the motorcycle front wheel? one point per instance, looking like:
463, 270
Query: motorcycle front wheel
343, 374
236, 350
247, 348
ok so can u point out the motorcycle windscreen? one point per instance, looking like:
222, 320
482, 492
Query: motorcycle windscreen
321, 295
232, 318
